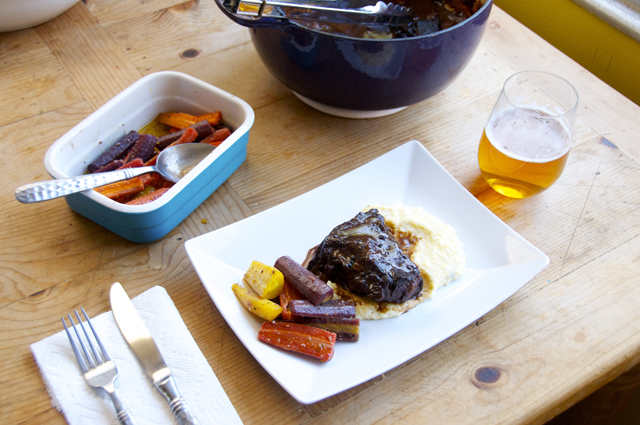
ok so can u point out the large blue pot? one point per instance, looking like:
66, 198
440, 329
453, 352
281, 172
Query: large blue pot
364, 74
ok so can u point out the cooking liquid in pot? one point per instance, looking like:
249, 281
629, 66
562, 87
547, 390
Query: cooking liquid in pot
431, 16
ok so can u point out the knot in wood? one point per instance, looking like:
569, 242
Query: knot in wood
190, 53
39, 296
489, 376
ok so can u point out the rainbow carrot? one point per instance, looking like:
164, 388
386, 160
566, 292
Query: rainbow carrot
122, 188
302, 339
188, 136
149, 197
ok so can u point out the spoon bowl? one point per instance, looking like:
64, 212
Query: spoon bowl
173, 163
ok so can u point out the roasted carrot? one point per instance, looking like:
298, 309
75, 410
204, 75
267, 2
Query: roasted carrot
188, 136
152, 161
147, 190
331, 309
288, 293
133, 164
127, 198
181, 120
148, 198
345, 329
177, 119
112, 166
217, 137
120, 189
303, 339
147, 179
213, 118
309, 285
158, 181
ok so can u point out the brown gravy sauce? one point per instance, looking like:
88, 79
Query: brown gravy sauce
406, 241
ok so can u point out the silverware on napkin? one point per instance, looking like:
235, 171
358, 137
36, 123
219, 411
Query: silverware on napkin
146, 351
98, 369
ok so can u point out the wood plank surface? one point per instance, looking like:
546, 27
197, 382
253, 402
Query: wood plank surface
94, 62
571, 330
29, 65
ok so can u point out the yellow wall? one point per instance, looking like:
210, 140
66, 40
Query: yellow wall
608, 53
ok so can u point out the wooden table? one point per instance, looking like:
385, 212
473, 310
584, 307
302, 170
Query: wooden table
569, 331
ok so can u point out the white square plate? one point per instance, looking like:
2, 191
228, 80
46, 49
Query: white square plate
499, 262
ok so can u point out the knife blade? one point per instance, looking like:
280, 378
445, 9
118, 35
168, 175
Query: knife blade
146, 351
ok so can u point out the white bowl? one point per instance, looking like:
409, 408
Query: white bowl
20, 14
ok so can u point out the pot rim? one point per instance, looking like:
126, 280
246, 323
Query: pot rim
248, 23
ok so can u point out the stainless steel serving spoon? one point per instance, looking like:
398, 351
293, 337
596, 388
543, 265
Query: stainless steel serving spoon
173, 163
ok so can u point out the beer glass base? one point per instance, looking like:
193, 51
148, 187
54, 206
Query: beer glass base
514, 188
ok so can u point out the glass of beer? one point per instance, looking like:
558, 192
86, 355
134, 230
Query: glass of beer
527, 138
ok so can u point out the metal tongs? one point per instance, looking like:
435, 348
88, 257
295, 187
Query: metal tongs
380, 13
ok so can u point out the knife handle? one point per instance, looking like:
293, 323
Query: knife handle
178, 404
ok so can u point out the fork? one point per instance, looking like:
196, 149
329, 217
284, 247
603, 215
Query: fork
99, 370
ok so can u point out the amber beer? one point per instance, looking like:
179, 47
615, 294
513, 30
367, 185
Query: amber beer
523, 151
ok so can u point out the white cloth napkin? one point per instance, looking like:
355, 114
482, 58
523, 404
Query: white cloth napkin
194, 378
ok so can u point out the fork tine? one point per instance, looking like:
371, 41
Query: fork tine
83, 364
84, 348
105, 355
96, 354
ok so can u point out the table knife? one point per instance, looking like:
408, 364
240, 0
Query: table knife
146, 351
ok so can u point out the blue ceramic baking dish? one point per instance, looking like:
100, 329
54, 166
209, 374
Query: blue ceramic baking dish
131, 110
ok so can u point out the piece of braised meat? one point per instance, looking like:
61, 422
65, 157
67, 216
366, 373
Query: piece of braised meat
363, 256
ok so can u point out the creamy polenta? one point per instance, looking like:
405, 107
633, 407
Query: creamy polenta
432, 245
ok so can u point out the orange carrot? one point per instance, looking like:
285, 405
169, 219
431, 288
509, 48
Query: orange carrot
148, 198
303, 339
289, 292
177, 119
188, 136
152, 161
133, 164
217, 137
213, 118
181, 120
122, 188
125, 199
146, 179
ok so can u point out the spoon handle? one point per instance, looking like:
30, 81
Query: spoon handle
51, 189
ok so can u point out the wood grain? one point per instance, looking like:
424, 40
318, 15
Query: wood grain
112, 11
169, 37
571, 330
28, 64
98, 68
254, 84
224, 207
